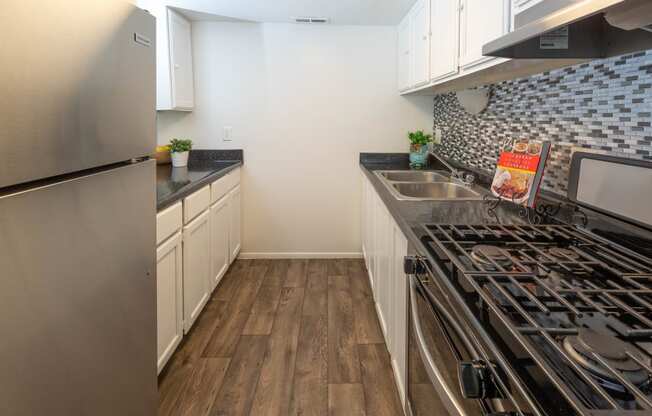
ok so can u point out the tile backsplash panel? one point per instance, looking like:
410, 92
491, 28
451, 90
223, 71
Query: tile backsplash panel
604, 105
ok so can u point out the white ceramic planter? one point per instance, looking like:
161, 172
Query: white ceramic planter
180, 159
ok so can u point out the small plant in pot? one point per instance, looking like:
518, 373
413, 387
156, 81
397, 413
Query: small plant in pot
419, 149
180, 149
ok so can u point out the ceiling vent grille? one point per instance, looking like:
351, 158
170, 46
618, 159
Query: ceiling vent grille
311, 20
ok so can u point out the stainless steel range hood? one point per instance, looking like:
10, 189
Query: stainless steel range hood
581, 29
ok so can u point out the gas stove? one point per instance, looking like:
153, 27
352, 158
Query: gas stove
569, 312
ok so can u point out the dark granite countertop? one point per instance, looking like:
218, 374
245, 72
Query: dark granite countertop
204, 167
409, 215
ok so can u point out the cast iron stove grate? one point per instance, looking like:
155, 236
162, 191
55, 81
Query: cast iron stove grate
579, 305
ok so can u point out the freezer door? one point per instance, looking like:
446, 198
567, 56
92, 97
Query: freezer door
78, 86
78, 296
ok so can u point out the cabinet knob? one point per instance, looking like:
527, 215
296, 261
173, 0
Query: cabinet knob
177, 66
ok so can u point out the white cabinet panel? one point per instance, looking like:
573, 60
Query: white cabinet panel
169, 301
196, 268
236, 215
481, 21
220, 230
420, 31
399, 310
404, 58
181, 70
196, 203
522, 5
444, 40
169, 222
385, 248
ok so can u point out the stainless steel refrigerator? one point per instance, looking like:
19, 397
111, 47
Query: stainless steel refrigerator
77, 209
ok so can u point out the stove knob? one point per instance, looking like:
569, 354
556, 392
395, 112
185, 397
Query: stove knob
476, 381
413, 265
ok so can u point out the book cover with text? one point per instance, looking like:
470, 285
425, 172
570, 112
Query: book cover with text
519, 170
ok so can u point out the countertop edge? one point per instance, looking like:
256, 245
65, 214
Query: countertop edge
192, 187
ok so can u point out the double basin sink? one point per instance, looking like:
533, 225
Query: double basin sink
426, 186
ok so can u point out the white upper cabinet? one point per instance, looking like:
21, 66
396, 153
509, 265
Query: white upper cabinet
481, 21
404, 54
181, 73
444, 40
420, 31
521, 5
174, 70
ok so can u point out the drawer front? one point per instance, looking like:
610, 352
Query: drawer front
234, 178
222, 186
219, 188
168, 222
196, 203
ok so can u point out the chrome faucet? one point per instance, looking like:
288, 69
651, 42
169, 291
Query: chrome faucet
467, 179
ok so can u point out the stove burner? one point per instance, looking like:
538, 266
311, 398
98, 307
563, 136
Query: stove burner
486, 254
563, 253
613, 351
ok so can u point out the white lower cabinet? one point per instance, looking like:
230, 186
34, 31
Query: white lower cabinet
196, 268
236, 218
220, 224
398, 310
192, 259
169, 301
385, 247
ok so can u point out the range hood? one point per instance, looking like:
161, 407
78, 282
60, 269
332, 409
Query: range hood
577, 29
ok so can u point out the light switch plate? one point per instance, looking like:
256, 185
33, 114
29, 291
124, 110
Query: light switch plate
228, 133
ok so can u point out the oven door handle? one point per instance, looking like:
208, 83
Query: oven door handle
446, 394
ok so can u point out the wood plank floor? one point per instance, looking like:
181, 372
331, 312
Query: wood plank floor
284, 337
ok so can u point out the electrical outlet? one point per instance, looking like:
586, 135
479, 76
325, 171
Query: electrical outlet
228, 133
437, 138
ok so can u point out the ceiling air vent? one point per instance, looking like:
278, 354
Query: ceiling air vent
311, 20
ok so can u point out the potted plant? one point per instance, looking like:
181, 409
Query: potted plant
419, 148
179, 149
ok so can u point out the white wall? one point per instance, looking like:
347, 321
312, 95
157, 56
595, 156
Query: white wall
303, 102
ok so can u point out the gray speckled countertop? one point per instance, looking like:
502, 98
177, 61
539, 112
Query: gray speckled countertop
204, 167
409, 215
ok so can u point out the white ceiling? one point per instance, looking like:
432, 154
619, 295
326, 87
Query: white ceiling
340, 12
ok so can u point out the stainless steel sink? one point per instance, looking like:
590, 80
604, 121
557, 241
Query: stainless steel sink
426, 186
414, 176
434, 191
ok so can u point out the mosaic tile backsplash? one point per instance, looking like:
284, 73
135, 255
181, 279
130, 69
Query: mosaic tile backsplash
604, 105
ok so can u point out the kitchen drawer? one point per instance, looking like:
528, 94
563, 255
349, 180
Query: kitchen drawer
222, 186
168, 222
196, 203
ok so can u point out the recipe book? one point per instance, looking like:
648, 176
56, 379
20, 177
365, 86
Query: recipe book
520, 170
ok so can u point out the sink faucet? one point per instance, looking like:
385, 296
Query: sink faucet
468, 179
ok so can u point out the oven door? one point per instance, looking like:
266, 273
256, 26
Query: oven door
440, 357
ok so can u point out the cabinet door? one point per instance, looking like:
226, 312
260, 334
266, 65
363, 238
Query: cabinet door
481, 21
399, 310
180, 33
235, 233
420, 31
363, 216
371, 233
220, 230
169, 301
196, 268
404, 60
381, 273
444, 40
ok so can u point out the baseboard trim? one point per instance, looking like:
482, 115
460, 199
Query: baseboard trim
300, 255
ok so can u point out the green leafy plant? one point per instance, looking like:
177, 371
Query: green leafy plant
180, 145
419, 137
